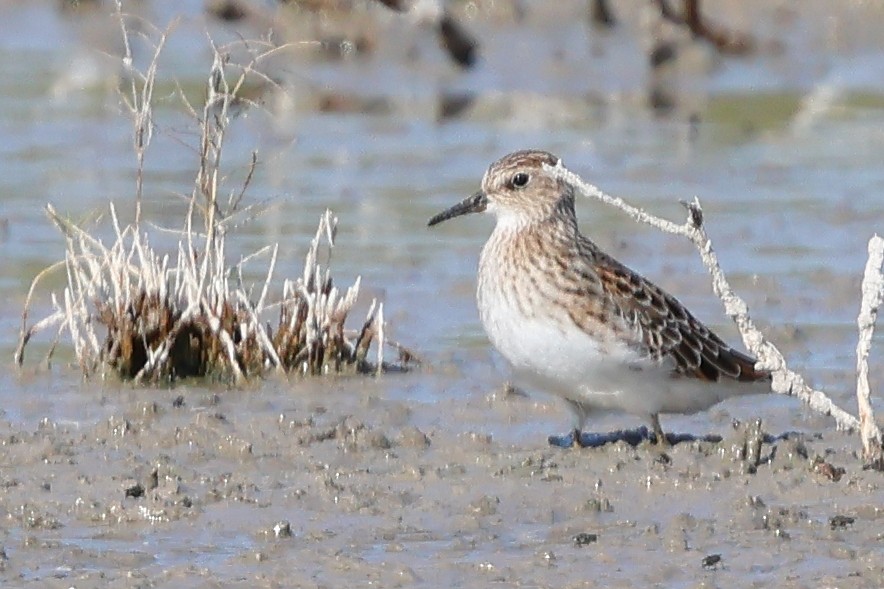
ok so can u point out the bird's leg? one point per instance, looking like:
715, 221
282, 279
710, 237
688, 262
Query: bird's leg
662, 440
578, 437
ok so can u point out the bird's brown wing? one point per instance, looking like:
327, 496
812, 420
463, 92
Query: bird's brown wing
665, 328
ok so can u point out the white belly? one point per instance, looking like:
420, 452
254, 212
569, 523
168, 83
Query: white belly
547, 350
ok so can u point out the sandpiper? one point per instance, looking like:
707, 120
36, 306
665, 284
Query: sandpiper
575, 322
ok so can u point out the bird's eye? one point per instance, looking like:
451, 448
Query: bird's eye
520, 180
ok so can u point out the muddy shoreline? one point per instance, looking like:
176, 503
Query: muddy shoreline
341, 487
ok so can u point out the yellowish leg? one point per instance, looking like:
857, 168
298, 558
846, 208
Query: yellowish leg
662, 440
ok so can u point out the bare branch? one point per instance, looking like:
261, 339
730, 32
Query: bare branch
872, 297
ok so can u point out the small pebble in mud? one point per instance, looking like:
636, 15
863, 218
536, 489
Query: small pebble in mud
756, 502
711, 561
486, 505
135, 491
794, 449
746, 444
147, 409
412, 437
598, 505
476, 438
507, 392
831, 472
662, 458
841, 521
583, 538
282, 529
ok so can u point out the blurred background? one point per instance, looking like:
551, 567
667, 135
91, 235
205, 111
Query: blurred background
771, 112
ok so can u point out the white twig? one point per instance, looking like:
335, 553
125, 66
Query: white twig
873, 296
380, 330
260, 332
785, 381
227, 342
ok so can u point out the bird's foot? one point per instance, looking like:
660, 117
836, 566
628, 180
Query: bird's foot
662, 440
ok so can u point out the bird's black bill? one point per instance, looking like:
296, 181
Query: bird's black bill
473, 204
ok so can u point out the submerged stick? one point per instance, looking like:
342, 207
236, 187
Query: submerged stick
785, 381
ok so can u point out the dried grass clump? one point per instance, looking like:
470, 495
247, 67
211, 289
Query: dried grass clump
131, 310
163, 322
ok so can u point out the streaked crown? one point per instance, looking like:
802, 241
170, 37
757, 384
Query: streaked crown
517, 186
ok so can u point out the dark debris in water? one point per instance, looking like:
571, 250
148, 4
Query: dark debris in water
828, 470
711, 561
584, 538
282, 529
875, 464
841, 521
135, 491
663, 458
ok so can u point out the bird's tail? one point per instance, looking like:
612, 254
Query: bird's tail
745, 366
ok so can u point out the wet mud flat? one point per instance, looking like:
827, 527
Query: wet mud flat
346, 487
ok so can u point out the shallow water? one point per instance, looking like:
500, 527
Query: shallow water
782, 148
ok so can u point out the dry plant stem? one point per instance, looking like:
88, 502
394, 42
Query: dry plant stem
26, 333
260, 331
139, 102
872, 297
785, 381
